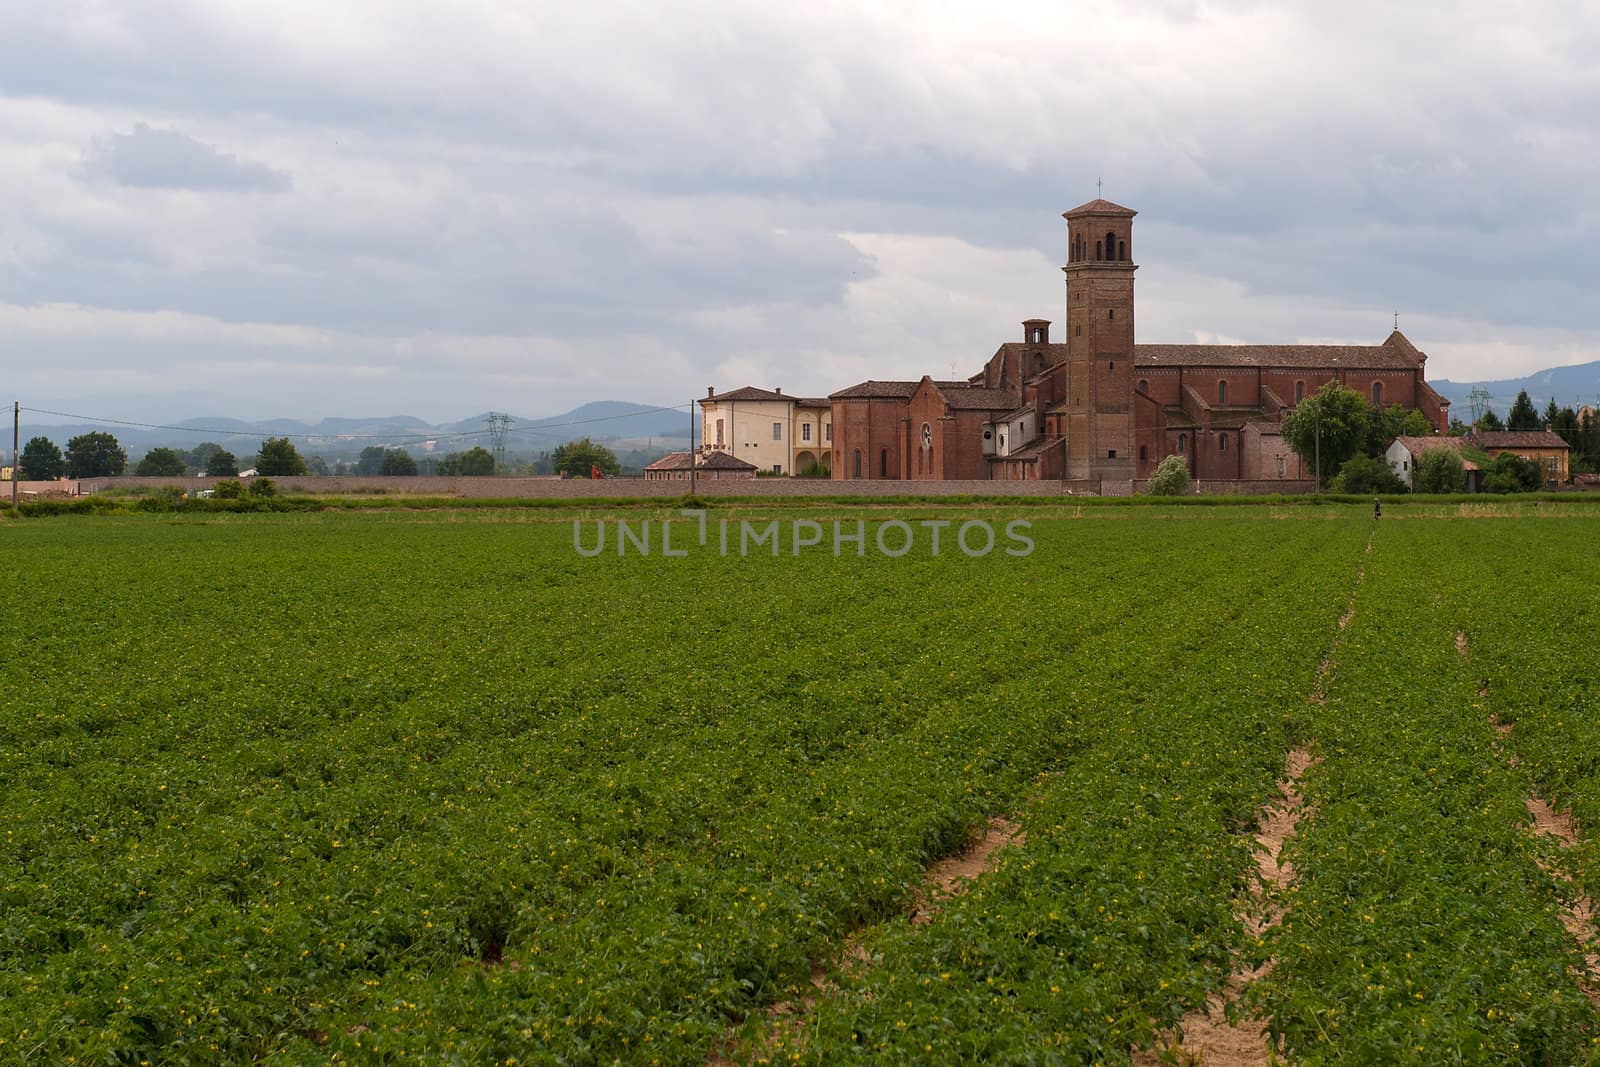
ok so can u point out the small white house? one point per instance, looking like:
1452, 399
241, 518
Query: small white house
1404, 453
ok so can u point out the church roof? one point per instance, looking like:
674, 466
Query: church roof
876, 390
1099, 206
751, 392
1519, 439
976, 398
1366, 357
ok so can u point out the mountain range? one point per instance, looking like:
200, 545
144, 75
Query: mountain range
610, 421
1571, 386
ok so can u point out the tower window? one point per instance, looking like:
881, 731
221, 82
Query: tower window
883, 463
1299, 391
1097, 254
1222, 443
1111, 314
1144, 386
1143, 456
1122, 250
1111, 245
1377, 394
1222, 392
1111, 453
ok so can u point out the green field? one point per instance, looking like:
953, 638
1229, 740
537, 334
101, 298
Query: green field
399, 786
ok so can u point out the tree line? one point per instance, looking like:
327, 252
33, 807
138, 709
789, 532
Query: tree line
99, 455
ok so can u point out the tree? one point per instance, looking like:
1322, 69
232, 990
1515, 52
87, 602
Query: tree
1511, 473
199, 457
371, 459
95, 455
160, 463
1385, 424
317, 465
1522, 416
474, 463
577, 459
1363, 475
1550, 414
1457, 427
221, 463
1335, 415
41, 461
1440, 470
279, 457
1490, 421
397, 461
1171, 478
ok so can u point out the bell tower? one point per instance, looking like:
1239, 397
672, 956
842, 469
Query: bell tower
1100, 372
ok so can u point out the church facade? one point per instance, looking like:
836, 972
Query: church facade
1096, 409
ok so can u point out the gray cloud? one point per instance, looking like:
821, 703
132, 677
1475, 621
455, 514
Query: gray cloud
151, 158
529, 173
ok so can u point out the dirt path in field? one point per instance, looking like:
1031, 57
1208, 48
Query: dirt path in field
1577, 911
946, 878
1208, 1036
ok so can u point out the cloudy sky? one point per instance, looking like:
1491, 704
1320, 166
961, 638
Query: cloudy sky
316, 207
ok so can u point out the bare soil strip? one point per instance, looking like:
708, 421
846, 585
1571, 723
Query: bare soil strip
1577, 911
1208, 1036
947, 878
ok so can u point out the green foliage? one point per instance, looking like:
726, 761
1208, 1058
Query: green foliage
41, 461
1509, 473
95, 455
1490, 421
397, 462
370, 460
475, 462
1366, 475
1171, 478
1334, 415
317, 465
263, 487
577, 458
1385, 424
160, 463
1440, 470
221, 463
279, 457
1522, 415
228, 489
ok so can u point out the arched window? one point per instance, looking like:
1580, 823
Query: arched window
1143, 456
1222, 392
1111, 245
1222, 443
1299, 391
1097, 254
1377, 394
1183, 442
858, 464
927, 436
883, 463
1144, 385
1122, 250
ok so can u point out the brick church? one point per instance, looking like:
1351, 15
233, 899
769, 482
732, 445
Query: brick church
1098, 411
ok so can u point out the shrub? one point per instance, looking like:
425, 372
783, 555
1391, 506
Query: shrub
1440, 470
228, 489
1170, 479
263, 487
1363, 475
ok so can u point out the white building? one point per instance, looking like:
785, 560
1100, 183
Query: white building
777, 433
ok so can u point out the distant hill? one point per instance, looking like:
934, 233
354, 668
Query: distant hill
602, 420
1569, 386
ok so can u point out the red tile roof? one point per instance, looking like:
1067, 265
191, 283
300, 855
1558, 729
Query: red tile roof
708, 461
1368, 357
1099, 207
750, 392
1519, 439
876, 390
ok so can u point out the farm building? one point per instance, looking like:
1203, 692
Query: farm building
1545, 448
1404, 453
675, 466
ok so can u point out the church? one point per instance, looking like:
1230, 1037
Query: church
1098, 411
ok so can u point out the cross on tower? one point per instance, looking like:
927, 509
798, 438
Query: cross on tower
1397, 320
1097, 184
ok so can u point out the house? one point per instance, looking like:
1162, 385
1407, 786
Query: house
768, 428
1546, 448
1405, 453
675, 467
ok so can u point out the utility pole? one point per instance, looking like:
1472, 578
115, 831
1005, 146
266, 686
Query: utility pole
16, 456
691, 447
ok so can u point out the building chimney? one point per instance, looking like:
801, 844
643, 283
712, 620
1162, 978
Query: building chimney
777, 390
711, 391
